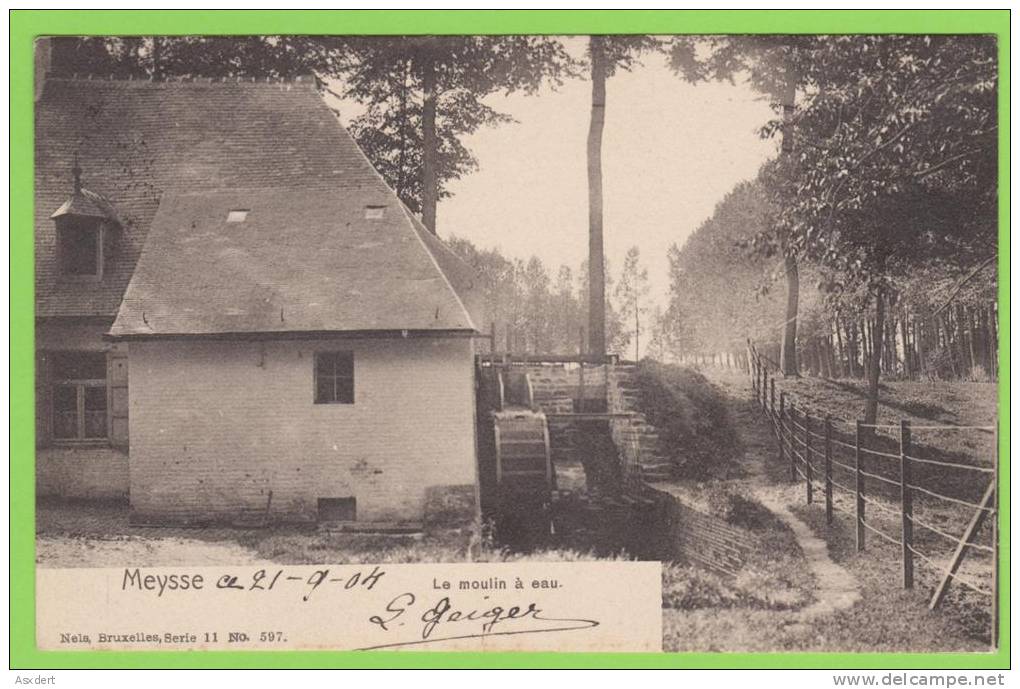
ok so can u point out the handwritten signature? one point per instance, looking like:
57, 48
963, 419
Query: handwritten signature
445, 622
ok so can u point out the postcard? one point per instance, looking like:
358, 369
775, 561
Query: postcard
668, 343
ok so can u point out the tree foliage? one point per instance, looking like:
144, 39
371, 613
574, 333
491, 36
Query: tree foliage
386, 75
631, 296
147, 57
393, 78
889, 200
721, 291
769, 62
530, 310
896, 160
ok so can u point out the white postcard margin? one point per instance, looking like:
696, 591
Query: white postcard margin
586, 606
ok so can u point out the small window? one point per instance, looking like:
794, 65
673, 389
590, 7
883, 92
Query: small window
374, 212
80, 248
334, 378
237, 215
79, 395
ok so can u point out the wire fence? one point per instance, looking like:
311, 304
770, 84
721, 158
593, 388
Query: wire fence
881, 476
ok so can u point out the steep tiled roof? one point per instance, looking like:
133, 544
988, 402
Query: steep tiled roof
173, 157
299, 262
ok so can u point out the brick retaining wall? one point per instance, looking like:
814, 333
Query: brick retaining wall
701, 538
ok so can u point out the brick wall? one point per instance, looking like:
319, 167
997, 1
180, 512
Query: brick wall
94, 472
700, 538
216, 426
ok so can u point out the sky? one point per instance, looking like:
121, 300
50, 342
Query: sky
671, 151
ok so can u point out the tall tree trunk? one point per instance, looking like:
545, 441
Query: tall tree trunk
788, 354
993, 344
402, 164
849, 327
951, 348
968, 314
841, 350
891, 362
978, 329
157, 59
904, 334
429, 174
920, 332
596, 255
865, 347
871, 407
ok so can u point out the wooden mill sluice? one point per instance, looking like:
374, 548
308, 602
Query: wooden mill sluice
517, 461
549, 463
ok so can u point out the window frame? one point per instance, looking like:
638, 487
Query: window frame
64, 228
316, 374
79, 385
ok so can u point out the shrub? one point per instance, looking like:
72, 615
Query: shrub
735, 506
690, 414
687, 587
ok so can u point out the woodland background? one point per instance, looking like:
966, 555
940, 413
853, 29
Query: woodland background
866, 248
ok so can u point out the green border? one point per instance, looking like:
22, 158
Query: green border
26, 24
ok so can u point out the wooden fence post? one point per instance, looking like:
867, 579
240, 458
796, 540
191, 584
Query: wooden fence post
828, 469
772, 400
906, 506
995, 540
758, 380
808, 474
858, 488
793, 437
763, 374
782, 415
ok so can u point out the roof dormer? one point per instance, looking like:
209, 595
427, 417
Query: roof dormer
84, 223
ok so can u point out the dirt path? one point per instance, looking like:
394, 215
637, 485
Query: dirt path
828, 592
856, 603
837, 589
